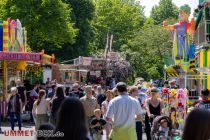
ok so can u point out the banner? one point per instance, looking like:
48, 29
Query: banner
20, 56
114, 56
85, 61
92, 73
98, 64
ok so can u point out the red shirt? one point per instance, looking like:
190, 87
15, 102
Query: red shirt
188, 25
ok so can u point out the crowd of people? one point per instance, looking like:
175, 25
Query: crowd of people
86, 112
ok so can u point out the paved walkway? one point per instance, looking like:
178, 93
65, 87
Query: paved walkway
28, 129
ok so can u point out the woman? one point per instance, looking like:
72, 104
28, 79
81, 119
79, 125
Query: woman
41, 108
154, 107
71, 120
197, 125
104, 107
15, 108
56, 102
32, 98
67, 91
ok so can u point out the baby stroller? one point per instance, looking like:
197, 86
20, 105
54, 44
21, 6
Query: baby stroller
161, 133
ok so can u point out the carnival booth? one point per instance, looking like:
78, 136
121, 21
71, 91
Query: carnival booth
15, 59
183, 69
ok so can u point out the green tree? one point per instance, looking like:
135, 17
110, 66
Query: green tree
47, 22
82, 14
117, 17
165, 10
2, 8
146, 51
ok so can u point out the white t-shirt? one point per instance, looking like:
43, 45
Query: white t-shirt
123, 110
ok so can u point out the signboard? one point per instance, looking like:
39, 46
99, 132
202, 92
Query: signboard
92, 73
95, 73
83, 73
33, 68
20, 56
98, 73
98, 64
114, 56
85, 61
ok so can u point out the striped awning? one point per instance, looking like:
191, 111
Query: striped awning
170, 71
177, 70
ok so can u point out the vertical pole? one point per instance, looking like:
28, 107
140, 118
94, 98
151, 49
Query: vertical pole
185, 80
4, 80
205, 66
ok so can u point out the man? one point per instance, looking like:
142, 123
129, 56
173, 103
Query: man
52, 93
123, 110
90, 104
204, 103
21, 90
100, 95
134, 93
76, 92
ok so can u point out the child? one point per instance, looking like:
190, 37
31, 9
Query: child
164, 129
97, 124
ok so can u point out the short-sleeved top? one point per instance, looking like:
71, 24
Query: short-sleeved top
42, 108
90, 104
101, 121
123, 110
203, 105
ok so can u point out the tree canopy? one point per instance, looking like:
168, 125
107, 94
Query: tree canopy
117, 17
48, 22
165, 10
82, 14
146, 51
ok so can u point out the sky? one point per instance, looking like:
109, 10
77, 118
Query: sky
150, 3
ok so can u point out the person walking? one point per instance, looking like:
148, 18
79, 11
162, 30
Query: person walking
104, 107
154, 107
71, 121
134, 93
56, 102
100, 96
76, 92
32, 98
124, 110
204, 103
90, 104
97, 124
15, 108
21, 90
41, 108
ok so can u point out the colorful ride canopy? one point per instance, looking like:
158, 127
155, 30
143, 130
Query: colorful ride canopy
13, 37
